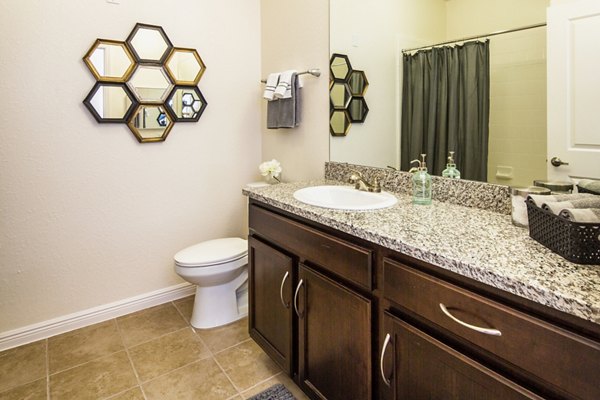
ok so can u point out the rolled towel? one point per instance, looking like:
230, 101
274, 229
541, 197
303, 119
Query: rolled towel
589, 184
539, 199
582, 214
272, 81
284, 87
557, 207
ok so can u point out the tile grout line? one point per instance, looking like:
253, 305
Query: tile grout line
137, 377
47, 347
262, 382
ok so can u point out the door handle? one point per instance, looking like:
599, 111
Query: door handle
383, 348
487, 331
557, 162
296, 298
286, 305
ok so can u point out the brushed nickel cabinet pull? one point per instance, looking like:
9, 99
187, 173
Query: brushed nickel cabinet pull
487, 331
383, 348
286, 305
296, 298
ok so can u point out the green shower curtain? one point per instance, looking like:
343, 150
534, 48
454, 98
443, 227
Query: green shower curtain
446, 107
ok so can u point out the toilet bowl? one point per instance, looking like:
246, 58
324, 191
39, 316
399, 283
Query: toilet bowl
219, 269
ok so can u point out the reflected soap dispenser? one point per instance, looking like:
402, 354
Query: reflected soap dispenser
451, 171
421, 182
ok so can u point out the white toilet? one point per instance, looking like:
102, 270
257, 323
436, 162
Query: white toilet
219, 269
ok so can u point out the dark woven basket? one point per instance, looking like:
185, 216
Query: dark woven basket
577, 242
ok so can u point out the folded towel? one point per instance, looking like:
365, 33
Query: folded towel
590, 184
286, 113
540, 199
581, 214
284, 87
272, 81
557, 207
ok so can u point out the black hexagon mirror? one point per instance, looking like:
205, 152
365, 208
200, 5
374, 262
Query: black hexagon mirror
149, 44
357, 82
357, 109
340, 67
109, 61
184, 66
145, 82
186, 104
150, 123
110, 102
150, 84
339, 123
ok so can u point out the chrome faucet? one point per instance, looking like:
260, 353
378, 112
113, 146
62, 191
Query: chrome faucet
361, 184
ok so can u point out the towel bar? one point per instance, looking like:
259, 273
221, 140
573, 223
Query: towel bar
314, 72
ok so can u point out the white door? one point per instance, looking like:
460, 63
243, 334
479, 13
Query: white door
573, 37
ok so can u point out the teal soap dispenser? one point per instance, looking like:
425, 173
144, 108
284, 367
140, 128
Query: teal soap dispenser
421, 181
451, 171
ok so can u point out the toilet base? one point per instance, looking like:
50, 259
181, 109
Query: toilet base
218, 305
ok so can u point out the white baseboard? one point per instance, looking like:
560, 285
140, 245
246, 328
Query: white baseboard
66, 323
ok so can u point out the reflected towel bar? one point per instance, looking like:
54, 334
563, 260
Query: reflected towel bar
314, 72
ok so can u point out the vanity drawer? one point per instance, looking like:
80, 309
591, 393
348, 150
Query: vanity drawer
557, 357
344, 259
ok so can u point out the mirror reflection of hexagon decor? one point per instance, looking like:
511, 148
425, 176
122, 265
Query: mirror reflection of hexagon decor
145, 82
150, 123
357, 109
339, 123
149, 44
358, 83
186, 104
340, 67
109, 61
184, 66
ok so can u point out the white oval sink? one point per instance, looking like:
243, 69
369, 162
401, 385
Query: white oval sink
344, 198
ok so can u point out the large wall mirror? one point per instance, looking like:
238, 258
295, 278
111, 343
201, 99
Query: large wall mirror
145, 82
374, 37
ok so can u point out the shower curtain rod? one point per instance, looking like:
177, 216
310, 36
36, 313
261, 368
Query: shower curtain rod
477, 37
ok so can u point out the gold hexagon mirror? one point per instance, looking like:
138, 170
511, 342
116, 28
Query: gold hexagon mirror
340, 67
109, 61
339, 123
150, 84
149, 43
358, 109
110, 102
358, 83
150, 123
340, 96
184, 66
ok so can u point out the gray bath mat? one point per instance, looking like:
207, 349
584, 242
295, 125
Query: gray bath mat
275, 392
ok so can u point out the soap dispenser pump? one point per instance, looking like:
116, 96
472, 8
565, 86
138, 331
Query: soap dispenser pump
451, 171
421, 181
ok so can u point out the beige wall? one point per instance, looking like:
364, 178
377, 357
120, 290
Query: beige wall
295, 35
89, 216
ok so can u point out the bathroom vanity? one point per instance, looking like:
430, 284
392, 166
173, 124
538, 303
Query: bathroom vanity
414, 302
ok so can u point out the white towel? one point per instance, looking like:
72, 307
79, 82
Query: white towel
557, 207
284, 87
272, 81
540, 199
581, 214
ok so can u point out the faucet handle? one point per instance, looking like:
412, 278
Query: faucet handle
355, 176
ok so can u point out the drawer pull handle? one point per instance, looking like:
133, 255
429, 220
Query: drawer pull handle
286, 305
296, 298
383, 349
487, 331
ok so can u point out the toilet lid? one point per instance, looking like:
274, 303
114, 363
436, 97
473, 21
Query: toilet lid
212, 252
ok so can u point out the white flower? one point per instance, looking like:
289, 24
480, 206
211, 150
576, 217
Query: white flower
270, 168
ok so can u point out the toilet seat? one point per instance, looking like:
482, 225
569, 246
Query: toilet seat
212, 253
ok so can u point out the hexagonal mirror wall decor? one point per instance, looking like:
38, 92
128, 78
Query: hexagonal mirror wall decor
185, 67
339, 123
358, 109
186, 104
145, 82
347, 89
358, 83
340, 67
109, 61
110, 102
340, 96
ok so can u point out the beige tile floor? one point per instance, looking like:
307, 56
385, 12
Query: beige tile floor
150, 354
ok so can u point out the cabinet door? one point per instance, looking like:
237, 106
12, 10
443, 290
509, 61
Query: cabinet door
269, 297
425, 368
334, 348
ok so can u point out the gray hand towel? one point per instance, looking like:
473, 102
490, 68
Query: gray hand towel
557, 207
590, 184
539, 199
286, 113
581, 214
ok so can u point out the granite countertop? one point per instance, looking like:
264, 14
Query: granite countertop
479, 244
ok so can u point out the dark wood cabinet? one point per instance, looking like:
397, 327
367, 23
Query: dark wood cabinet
270, 298
334, 333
